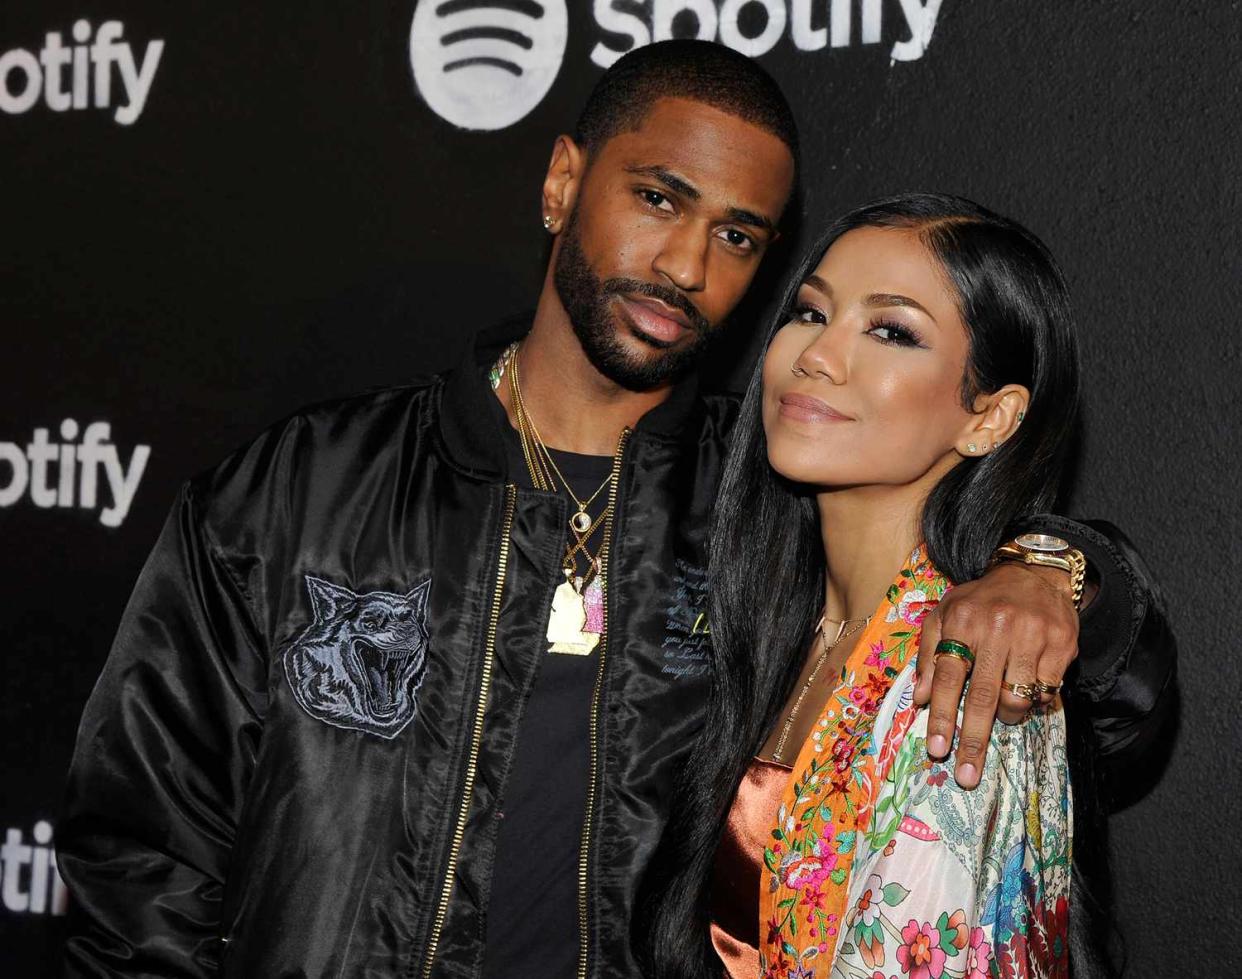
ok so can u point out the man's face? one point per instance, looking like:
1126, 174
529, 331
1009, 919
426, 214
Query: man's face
667, 231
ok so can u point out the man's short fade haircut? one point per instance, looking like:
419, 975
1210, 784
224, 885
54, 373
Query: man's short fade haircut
701, 71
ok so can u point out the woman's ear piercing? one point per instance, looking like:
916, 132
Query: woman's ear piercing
548, 221
971, 447
985, 447
1021, 415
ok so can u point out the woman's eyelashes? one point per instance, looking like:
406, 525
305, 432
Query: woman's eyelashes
885, 331
806, 313
895, 334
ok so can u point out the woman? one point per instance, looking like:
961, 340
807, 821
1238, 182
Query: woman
917, 397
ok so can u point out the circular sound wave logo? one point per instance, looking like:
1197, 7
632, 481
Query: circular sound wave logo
484, 64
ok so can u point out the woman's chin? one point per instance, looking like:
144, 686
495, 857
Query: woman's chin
811, 473
803, 459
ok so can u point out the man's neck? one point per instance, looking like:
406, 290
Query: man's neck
574, 406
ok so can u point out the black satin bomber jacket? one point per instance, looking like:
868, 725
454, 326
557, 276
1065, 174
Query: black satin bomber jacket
292, 763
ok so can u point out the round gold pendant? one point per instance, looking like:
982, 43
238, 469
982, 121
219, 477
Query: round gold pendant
580, 522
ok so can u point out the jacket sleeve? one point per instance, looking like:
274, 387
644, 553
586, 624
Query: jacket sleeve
1127, 665
164, 753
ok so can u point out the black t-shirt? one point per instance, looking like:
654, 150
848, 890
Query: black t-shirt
532, 915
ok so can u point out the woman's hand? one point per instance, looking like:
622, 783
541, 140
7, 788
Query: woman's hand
1021, 625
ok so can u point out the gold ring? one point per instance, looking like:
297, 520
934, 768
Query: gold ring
958, 650
1048, 688
1027, 691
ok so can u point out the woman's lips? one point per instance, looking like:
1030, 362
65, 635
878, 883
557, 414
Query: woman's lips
655, 319
803, 407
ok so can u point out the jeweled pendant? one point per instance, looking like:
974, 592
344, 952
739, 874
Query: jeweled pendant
567, 623
580, 522
593, 601
568, 614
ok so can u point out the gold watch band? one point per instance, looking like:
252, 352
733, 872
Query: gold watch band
1070, 560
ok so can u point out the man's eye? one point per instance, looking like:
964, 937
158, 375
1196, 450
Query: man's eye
738, 239
654, 198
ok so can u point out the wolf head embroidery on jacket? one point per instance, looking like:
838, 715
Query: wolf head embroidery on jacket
359, 664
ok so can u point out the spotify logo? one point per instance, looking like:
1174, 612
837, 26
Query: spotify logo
484, 64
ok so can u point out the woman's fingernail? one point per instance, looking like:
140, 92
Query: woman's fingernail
967, 774
937, 746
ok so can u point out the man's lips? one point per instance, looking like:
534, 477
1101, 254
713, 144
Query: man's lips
655, 318
803, 407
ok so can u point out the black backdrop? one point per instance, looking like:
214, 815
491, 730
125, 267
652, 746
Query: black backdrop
288, 219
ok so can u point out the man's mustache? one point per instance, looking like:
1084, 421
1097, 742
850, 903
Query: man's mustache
666, 294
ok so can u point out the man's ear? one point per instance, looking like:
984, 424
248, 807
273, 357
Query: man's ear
561, 183
996, 417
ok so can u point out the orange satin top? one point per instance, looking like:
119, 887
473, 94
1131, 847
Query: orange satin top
739, 864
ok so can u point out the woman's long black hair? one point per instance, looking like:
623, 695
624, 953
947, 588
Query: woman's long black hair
767, 561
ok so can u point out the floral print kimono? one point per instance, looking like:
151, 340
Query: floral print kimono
881, 867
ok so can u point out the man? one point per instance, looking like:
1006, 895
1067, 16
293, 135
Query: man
404, 685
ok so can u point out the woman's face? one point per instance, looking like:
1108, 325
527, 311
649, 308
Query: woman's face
862, 386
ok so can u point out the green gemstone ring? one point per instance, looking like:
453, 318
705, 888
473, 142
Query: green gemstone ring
951, 647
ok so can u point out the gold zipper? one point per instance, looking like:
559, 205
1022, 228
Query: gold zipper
584, 850
476, 739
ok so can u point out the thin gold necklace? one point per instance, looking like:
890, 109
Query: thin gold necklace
828, 647
543, 469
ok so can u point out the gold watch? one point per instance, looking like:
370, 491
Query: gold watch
1048, 552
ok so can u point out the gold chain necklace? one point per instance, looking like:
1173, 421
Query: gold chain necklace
828, 647
576, 619
544, 472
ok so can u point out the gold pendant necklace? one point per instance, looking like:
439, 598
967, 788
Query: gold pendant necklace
568, 630
580, 522
576, 619
544, 471
828, 647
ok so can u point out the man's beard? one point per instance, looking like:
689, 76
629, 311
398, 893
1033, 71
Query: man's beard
589, 305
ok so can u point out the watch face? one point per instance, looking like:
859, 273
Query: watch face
1044, 543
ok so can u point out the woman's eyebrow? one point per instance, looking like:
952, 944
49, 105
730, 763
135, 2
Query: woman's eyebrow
894, 299
818, 284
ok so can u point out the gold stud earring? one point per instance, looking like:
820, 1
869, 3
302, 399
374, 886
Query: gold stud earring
548, 222
971, 447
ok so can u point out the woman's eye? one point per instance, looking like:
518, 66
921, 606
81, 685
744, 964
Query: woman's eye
807, 314
894, 333
653, 198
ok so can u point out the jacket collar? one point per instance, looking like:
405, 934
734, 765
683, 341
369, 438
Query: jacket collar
471, 430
